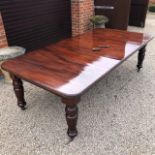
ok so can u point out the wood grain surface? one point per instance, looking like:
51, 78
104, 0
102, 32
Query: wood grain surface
70, 67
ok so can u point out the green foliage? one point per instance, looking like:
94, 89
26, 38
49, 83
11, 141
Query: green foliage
99, 19
152, 8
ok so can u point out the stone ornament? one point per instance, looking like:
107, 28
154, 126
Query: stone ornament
11, 52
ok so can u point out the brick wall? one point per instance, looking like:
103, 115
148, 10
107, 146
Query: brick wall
3, 40
82, 10
152, 1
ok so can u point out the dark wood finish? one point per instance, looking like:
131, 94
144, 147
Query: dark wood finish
19, 91
36, 23
68, 68
141, 57
1, 73
138, 12
119, 16
71, 115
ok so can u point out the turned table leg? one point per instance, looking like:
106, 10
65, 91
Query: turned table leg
71, 115
141, 57
19, 91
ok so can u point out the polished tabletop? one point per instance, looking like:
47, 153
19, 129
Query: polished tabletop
69, 67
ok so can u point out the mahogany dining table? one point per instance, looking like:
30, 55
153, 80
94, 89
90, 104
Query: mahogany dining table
70, 67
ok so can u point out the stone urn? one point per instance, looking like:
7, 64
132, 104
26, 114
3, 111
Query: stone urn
99, 21
9, 53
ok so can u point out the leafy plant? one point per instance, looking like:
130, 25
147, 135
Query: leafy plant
152, 8
99, 19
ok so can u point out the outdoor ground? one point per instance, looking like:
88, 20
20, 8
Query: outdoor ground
116, 117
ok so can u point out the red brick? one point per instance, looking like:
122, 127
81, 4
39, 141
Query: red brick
82, 10
3, 39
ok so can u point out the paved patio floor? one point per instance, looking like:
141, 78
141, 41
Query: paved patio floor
116, 117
